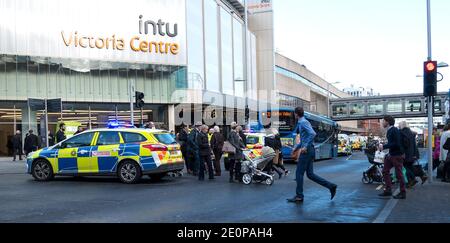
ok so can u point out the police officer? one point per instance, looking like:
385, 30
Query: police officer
60, 135
194, 149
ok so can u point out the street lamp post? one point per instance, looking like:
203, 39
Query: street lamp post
329, 94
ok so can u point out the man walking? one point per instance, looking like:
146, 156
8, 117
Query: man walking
31, 142
394, 159
17, 145
307, 155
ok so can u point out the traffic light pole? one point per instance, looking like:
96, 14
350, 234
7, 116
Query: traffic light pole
430, 101
131, 84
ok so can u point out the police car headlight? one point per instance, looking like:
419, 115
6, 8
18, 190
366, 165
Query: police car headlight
30, 155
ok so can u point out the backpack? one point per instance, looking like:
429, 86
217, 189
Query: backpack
404, 140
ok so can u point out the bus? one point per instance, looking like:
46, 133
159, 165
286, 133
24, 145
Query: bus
325, 143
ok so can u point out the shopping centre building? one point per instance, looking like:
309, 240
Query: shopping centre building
184, 55
193, 59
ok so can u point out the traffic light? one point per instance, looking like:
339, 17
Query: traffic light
140, 99
430, 78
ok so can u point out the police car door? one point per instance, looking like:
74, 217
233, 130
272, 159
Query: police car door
74, 153
106, 151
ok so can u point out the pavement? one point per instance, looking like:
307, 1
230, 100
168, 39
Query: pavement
186, 200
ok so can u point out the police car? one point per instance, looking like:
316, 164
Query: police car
126, 153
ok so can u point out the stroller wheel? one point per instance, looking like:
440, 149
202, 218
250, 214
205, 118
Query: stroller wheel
269, 181
367, 180
247, 179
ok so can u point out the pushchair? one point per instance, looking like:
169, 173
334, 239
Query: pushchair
254, 169
375, 172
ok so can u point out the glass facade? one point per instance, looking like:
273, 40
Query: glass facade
211, 45
394, 107
194, 18
238, 43
375, 108
285, 100
303, 80
226, 47
23, 77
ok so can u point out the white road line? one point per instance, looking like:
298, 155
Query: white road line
349, 157
379, 187
387, 210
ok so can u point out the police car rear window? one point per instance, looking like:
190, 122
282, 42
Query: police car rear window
129, 137
165, 138
108, 138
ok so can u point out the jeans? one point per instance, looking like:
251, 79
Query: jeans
397, 163
305, 164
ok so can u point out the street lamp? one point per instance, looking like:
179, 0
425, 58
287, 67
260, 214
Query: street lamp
329, 94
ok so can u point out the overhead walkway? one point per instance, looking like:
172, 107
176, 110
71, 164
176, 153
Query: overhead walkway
398, 106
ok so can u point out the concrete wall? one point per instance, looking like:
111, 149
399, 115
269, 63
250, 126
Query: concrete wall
261, 24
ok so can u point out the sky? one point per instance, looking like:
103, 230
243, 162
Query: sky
380, 44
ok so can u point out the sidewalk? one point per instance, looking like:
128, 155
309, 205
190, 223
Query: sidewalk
7, 166
429, 203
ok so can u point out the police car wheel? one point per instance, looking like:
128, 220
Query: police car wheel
129, 172
42, 170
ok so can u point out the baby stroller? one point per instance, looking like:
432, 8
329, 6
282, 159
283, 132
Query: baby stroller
375, 172
254, 168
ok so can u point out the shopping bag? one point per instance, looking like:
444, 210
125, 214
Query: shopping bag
228, 148
379, 157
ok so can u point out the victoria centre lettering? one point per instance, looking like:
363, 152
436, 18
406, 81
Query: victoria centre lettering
136, 43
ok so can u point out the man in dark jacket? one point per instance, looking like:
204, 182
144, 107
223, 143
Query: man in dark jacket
60, 135
411, 154
395, 158
217, 141
235, 159
17, 145
205, 154
193, 149
31, 142
182, 140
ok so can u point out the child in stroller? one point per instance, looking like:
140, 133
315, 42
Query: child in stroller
255, 168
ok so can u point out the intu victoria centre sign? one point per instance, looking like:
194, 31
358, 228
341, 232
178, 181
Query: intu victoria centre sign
149, 32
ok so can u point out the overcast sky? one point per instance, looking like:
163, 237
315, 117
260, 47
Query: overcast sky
371, 43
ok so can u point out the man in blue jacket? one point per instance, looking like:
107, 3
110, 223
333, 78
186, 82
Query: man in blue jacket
394, 159
306, 159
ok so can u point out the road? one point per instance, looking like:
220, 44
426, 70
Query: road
186, 200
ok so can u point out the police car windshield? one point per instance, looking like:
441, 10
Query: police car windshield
165, 138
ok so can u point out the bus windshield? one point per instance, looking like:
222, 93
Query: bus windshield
284, 121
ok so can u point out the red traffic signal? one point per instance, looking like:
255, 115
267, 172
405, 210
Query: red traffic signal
430, 66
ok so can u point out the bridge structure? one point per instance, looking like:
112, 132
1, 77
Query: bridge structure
375, 107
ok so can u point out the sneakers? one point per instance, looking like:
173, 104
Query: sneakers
333, 191
296, 199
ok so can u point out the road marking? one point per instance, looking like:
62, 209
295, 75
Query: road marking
349, 157
387, 210
379, 187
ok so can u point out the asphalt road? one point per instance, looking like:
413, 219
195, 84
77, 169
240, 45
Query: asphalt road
186, 200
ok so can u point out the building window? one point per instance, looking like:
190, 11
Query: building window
238, 43
211, 45
226, 36
194, 18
